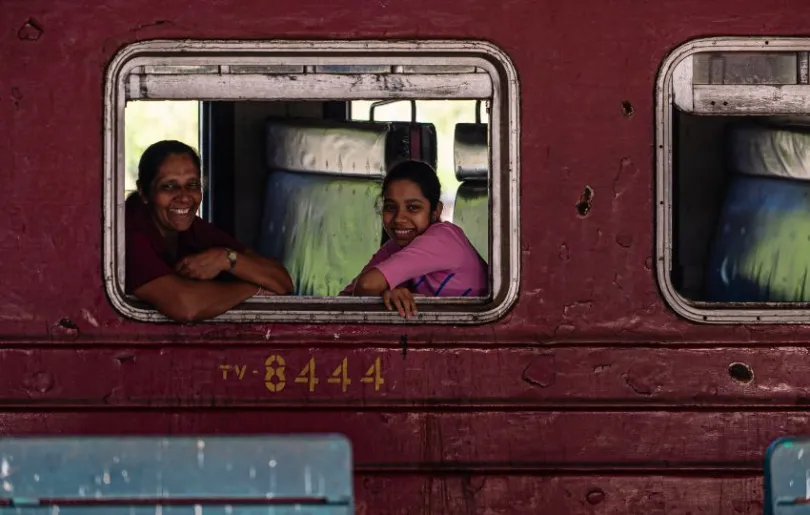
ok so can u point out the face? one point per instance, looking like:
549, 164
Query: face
176, 194
406, 212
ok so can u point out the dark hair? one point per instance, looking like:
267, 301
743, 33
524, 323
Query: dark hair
420, 173
153, 157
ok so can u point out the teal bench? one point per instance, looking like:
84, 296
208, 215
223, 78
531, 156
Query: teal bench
251, 475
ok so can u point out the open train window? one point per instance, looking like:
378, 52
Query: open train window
733, 180
293, 160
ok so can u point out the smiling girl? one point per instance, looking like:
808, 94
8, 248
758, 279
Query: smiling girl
424, 256
173, 257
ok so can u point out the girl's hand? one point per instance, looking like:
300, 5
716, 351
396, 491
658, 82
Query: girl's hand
402, 299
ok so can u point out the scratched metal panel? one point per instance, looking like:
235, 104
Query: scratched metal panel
403, 374
197, 468
602, 261
606, 492
458, 437
586, 279
645, 492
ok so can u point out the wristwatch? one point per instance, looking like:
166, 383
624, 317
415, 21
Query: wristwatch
231, 257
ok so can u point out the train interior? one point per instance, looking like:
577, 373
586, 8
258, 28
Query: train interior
300, 180
742, 209
741, 191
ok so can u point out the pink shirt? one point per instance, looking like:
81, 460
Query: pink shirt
440, 262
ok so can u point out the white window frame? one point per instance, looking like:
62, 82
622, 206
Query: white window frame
674, 87
491, 77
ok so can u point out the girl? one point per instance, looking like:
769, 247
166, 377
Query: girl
424, 255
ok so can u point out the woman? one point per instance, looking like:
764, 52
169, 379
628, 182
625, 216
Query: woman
424, 255
173, 257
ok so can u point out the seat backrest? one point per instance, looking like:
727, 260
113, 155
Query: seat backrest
413, 140
254, 474
320, 216
471, 158
761, 248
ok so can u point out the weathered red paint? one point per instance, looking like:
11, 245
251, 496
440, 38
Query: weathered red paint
591, 396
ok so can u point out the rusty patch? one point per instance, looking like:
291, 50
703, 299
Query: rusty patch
30, 31
541, 371
577, 309
122, 358
625, 177
156, 23
16, 97
617, 281
627, 108
564, 253
564, 329
585, 203
41, 382
643, 380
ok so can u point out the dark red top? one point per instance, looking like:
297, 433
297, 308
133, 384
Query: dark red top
147, 257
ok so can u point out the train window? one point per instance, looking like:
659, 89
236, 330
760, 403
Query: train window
295, 138
733, 180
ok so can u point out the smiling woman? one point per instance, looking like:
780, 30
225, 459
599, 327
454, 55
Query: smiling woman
184, 266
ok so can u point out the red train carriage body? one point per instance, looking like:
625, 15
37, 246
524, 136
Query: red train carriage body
591, 395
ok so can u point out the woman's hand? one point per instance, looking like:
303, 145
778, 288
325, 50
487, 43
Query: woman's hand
204, 265
402, 299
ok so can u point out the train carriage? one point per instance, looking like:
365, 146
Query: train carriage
634, 175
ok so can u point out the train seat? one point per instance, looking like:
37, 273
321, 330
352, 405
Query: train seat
761, 251
320, 211
184, 475
471, 159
